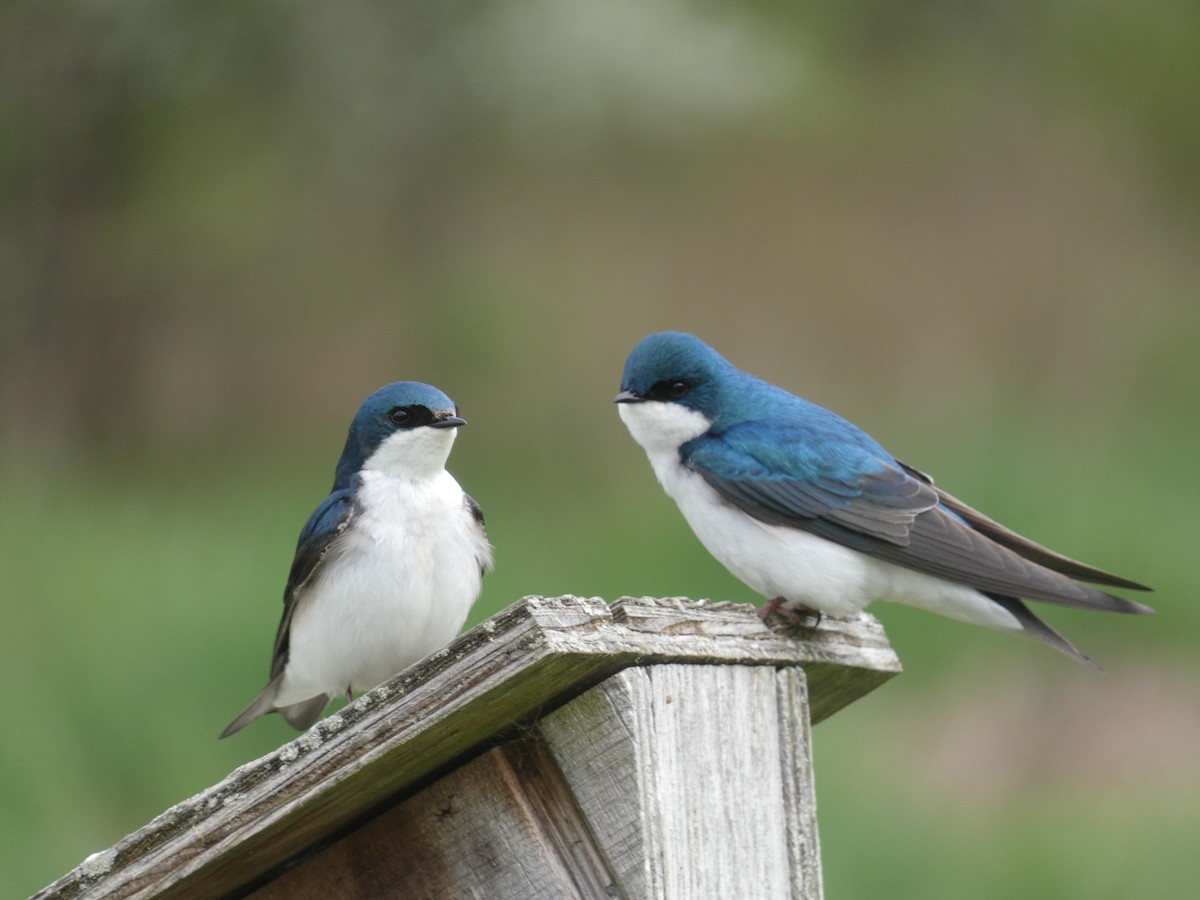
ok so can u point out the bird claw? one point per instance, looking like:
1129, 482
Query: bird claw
796, 615
769, 608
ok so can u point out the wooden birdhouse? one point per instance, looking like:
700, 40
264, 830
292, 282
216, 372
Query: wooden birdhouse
563, 748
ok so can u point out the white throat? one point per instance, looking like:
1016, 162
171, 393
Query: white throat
417, 453
662, 427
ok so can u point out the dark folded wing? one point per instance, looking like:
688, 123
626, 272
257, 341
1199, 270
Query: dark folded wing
942, 544
780, 481
472, 506
319, 533
889, 511
1030, 550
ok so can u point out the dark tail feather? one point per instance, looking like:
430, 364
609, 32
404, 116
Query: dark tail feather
1035, 627
301, 716
259, 706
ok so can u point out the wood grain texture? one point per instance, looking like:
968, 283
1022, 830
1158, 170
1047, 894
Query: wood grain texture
525, 661
595, 741
503, 825
695, 780
799, 785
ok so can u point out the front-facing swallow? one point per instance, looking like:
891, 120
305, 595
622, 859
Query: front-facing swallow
811, 512
386, 568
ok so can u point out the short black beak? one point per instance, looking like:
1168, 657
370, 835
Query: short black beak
628, 397
448, 421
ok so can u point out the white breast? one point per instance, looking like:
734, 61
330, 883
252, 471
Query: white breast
399, 587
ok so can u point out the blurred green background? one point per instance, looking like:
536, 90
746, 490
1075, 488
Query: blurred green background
973, 228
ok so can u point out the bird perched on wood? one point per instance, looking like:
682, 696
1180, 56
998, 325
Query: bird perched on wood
386, 568
811, 512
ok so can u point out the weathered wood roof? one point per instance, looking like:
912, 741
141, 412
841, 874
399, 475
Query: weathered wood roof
484, 688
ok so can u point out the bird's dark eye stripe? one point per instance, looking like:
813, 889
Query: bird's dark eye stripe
670, 389
410, 416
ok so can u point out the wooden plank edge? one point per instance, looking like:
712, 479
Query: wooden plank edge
561, 645
187, 839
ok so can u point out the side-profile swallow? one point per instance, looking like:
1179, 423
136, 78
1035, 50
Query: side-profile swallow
814, 514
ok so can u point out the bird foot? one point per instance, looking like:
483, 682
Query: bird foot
796, 616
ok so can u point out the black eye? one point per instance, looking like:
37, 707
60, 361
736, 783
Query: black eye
409, 416
669, 390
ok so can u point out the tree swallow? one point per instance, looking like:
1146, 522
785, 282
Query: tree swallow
811, 512
386, 568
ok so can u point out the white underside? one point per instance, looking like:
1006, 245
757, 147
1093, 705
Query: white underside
398, 587
779, 561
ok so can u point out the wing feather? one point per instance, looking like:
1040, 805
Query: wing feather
319, 534
858, 487
875, 504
